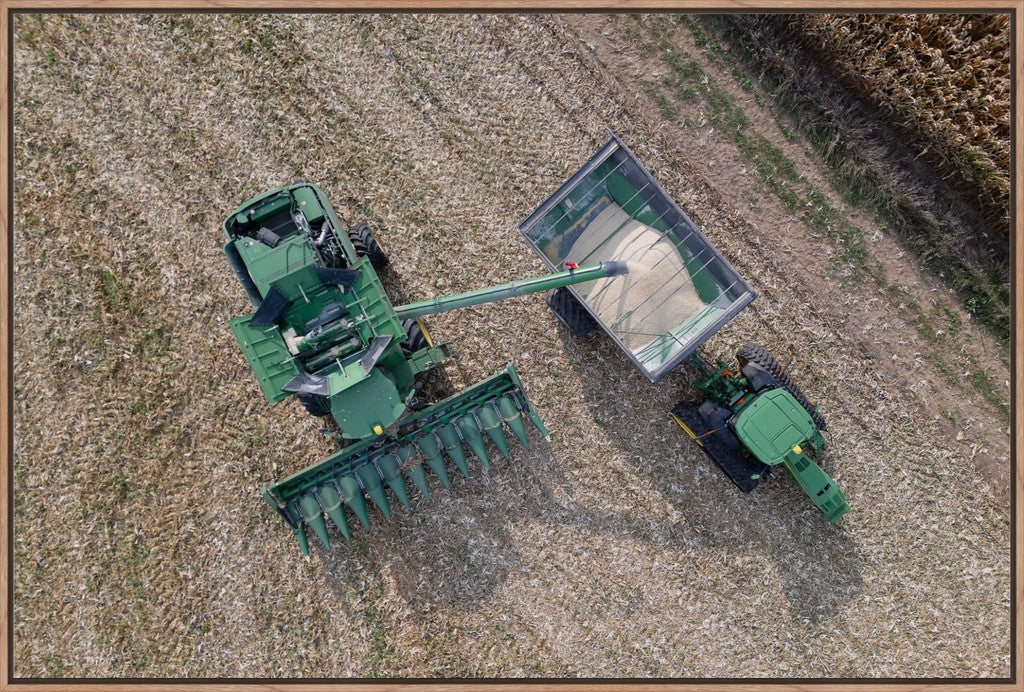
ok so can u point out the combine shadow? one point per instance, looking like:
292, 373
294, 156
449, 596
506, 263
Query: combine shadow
459, 546
455, 548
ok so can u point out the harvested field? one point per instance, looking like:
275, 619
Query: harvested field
141, 545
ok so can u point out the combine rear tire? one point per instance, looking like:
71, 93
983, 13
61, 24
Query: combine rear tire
366, 245
314, 404
570, 313
753, 353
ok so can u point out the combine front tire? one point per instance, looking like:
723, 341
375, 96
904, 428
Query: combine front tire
414, 338
314, 404
366, 245
758, 355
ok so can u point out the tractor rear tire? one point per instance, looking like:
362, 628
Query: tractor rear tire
570, 313
314, 404
366, 245
414, 338
758, 355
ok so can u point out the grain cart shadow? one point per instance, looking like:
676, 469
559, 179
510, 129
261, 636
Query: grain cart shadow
458, 547
455, 548
819, 564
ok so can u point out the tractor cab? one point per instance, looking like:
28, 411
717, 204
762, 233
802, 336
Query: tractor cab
757, 419
772, 425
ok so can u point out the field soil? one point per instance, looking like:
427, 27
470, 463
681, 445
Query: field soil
616, 549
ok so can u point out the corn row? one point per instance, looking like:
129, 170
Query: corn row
942, 77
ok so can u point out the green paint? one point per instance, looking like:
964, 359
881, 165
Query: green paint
353, 351
432, 306
772, 424
775, 428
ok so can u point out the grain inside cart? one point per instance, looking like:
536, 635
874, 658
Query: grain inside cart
680, 289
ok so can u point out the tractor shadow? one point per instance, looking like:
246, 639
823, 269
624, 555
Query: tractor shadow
820, 566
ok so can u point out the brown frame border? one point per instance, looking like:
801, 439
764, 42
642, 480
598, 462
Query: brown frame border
7, 7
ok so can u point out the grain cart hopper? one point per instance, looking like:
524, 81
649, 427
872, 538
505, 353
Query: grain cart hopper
678, 292
325, 331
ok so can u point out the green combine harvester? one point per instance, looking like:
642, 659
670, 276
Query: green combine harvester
679, 291
624, 258
324, 331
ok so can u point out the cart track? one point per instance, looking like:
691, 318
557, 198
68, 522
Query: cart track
614, 550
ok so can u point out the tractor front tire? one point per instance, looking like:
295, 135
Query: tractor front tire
366, 245
758, 355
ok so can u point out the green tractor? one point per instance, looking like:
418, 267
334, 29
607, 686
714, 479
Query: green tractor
324, 331
755, 419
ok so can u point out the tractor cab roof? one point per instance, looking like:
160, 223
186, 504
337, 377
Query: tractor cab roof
772, 424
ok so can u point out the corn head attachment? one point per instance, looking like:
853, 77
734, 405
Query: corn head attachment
449, 434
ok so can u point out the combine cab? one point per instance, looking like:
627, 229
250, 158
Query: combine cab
323, 330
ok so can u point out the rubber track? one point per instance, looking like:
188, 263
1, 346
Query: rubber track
737, 465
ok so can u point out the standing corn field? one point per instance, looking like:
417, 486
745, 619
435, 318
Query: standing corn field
942, 78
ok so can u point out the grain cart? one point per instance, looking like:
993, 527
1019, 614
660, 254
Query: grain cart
324, 331
678, 292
